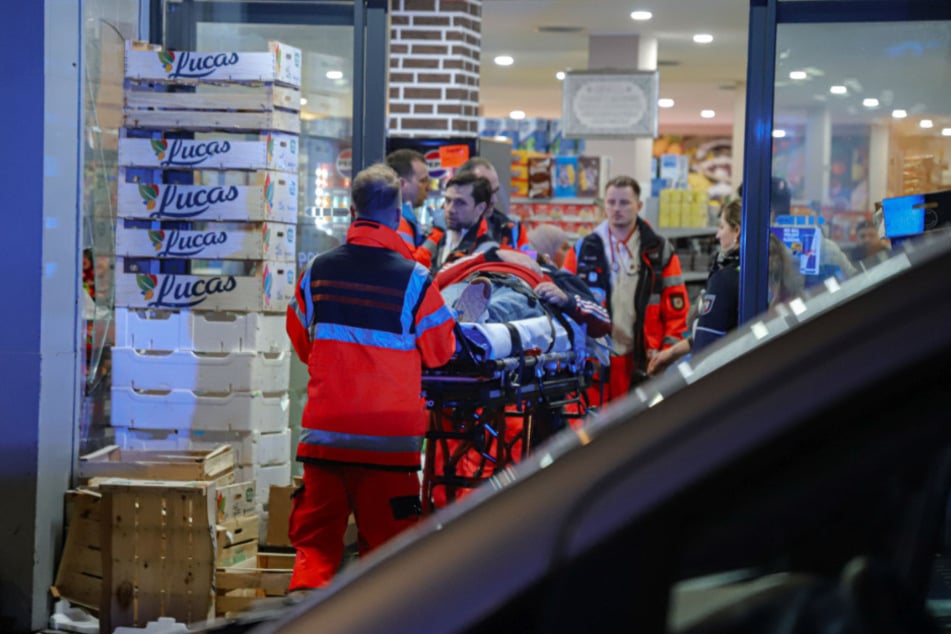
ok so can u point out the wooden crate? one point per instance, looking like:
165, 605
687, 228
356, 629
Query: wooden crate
79, 576
229, 196
158, 552
114, 462
274, 151
233, 108
239, 586
237, 540
205, 240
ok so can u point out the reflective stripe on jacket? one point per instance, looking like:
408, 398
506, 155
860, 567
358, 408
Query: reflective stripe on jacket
364, 319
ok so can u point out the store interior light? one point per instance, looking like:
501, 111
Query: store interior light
665, 103
945, 131
303, 101
504, 60
702, 38
899, 114
779, 134
926, 123
640, 16
560, 75
517, 114
838, 89
707, 114
870, 102
798, 74
334, 74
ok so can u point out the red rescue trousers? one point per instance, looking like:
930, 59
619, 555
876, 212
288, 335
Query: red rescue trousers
618, 384
383, 503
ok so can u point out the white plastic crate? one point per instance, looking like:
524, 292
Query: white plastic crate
222, 196
264, 477
184, 410
268, 288
201, 371
250, 447
210, 241
200, 331
281, 63
275, 151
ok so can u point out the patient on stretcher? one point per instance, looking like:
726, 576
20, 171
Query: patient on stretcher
508, 303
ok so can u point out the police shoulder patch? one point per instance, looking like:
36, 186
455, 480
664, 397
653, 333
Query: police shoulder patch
708, 301
677, 301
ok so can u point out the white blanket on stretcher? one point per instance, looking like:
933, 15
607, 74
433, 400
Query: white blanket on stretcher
494, 341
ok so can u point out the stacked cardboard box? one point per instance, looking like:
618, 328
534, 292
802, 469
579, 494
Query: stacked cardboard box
205, 246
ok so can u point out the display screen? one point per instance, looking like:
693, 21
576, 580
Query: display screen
904, 216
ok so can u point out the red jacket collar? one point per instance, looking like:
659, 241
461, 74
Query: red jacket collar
371, 233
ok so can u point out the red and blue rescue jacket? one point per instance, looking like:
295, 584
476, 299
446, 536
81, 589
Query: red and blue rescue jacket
365, 319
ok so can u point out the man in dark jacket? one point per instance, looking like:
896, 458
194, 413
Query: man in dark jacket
466, 200
503, 229
635, 273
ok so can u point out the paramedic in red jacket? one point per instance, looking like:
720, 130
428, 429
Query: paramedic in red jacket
365, 319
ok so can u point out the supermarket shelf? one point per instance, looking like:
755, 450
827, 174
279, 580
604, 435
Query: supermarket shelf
563, 219
686, 232
553, 201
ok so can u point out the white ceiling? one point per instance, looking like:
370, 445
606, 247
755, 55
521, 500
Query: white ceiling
703, 77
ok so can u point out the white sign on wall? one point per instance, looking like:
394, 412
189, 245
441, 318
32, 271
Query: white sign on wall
609, 104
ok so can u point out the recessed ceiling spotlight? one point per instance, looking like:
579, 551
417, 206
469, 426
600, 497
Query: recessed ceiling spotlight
560, 75
665, 103
870, 102
945, 131
640, 16
504, 60
899, 114
926, 123
707, 114
303, 101
517, 114
798, 74
838, 90
779, 134
702, 38
334, 74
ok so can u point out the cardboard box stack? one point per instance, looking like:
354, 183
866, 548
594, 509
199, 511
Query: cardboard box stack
205, 246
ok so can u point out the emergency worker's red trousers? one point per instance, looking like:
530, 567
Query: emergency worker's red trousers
383, 504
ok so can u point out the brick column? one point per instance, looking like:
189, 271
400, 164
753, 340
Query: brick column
435, 47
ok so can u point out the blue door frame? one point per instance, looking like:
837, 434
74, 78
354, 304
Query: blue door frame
765, 15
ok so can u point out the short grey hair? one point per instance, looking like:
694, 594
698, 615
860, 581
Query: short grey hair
375, 191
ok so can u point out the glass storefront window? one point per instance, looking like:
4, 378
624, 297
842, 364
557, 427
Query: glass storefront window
861, 114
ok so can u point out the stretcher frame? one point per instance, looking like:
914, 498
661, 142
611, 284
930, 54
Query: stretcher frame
471, 405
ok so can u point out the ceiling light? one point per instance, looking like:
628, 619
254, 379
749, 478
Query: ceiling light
504, 60
899, 114
798, 74
926, 123
560, 75
641, 15
779, 134
870, 102
838, 90
665, 103
945, 131
702, 38
517, 114
303, 101
334, 74
707, 114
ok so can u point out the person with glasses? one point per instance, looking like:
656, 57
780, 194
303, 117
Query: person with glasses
413, 173
503, 229
635, 273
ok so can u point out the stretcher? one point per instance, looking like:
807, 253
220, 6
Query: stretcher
486, 412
